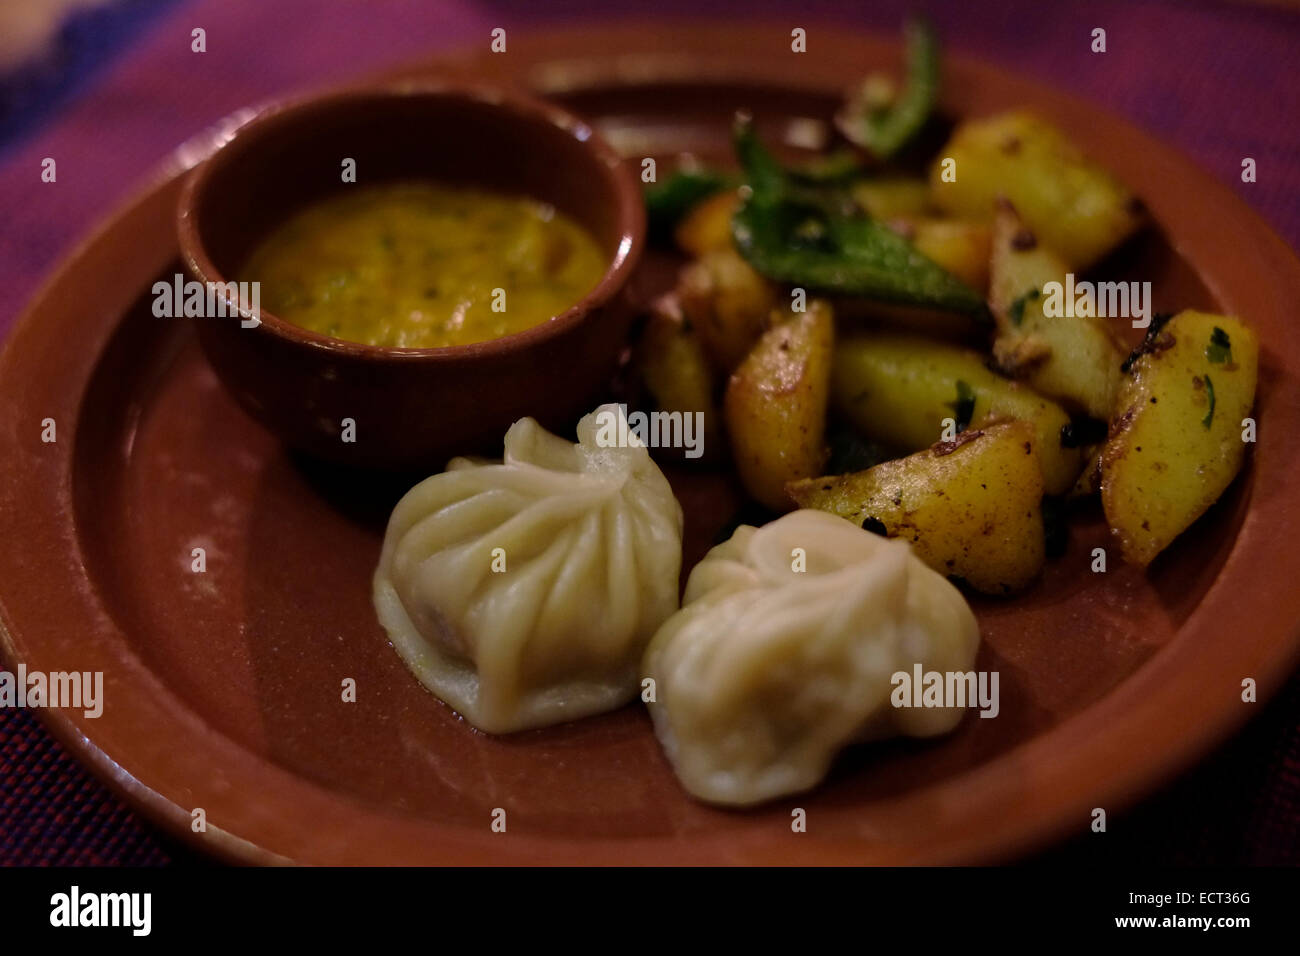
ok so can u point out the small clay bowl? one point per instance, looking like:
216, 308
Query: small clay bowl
410, 408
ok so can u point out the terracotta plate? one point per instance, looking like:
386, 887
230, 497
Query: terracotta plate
223, 689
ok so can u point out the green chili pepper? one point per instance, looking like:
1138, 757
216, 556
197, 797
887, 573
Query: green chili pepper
840, 166
1208, 420
668, 202
815, 236
885, 130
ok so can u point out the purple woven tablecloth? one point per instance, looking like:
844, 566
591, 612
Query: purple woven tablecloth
1216, 79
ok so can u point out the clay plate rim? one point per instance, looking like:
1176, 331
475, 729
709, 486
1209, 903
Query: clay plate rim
1123, 745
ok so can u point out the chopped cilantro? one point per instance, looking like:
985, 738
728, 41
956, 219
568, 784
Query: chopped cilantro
1219, 351
1016, 312
1209, 416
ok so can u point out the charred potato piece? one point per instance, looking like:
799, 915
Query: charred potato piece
1073, 204
971, 507
898, 389
728, 304
1176, 441
707, 227
1073, 359
775, 405
670, 362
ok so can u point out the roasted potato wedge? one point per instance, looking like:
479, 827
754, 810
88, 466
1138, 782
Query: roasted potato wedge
1176, 440
674, 371
1072, 204
898, 389
1073, 359
728, 303
775, 405
707, 227
971, 507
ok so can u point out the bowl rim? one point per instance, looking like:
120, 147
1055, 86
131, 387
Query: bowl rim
630, 216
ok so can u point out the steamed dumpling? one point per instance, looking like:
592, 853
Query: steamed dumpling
523, 592
767, 672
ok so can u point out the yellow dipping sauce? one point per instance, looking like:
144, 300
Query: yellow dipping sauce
421, 265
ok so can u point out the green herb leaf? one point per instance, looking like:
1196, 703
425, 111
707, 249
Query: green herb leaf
815, 236
1209, 416
1016, 312
1219, 351
964, 407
